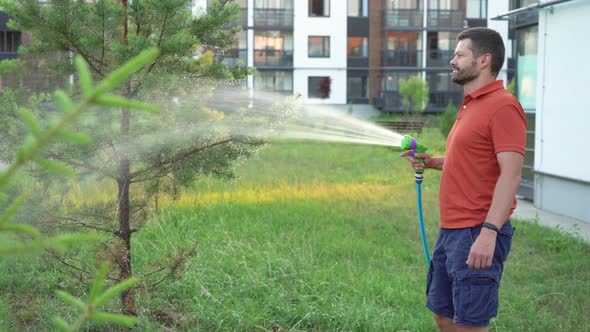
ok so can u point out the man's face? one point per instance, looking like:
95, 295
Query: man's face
464, 64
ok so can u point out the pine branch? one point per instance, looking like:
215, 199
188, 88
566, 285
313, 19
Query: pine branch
162, 165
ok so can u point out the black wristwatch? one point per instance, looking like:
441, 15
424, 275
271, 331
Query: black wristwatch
491, 226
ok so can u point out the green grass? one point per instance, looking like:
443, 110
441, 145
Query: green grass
312, 237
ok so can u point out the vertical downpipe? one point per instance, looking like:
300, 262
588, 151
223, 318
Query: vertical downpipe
424, 37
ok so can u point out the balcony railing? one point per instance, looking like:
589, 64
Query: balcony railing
392, 101
273, 58
272, 17
244, 17
402, 58
395, 18
439, 58
8, 55
233, 57
446, 18
440, 99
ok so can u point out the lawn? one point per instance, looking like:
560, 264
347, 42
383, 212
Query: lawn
311, 237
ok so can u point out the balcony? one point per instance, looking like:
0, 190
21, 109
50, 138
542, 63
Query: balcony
403, 18
439, 58
273, 58
8, 55
401, 58
446, 19
273, 18
235, 57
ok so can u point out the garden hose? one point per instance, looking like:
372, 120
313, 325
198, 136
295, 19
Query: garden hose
410, 143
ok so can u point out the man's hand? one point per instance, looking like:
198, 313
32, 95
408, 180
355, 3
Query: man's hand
482, 250
418, 166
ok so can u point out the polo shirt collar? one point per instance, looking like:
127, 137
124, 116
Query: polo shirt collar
490, 87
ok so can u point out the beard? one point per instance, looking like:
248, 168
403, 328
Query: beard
465, 75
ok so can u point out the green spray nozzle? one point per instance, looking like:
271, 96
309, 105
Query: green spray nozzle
410, 143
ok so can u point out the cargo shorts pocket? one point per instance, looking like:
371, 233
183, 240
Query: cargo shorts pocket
475, 295
429, 277
504, 242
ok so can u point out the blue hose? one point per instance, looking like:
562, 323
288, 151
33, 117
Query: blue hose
421, 220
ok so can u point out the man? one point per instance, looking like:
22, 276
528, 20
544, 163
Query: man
481, 172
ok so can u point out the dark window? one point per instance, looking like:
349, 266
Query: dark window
441, 48
318, 47
319, 7
319, 86
357, 87
9, 41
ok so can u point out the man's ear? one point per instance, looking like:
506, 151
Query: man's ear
486, 60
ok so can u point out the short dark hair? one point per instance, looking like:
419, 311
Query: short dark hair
485, 40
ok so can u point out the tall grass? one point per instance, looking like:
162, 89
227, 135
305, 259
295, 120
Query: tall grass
314, 237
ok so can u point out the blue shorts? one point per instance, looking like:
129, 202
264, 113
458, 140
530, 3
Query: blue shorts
469, 297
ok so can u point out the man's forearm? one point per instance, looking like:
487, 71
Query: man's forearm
435, 163
506, 187
503, 199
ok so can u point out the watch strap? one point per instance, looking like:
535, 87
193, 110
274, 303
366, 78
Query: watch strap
491, 226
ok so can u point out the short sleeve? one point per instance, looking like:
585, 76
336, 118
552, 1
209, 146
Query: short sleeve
508, 129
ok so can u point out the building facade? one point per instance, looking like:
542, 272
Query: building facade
333, 52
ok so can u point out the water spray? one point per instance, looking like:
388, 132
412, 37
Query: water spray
410, 143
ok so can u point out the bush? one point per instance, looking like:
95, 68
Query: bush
447, 119
511, 86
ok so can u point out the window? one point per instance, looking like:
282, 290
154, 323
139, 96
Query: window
273, 4
10, 41
444, 4
358, 46
318, 47
319, 87
273, 48
358, 8
404, 4
477, 9
441, 48
391, 80
403, 48
279, 81
357, 87
526, 66
319, 7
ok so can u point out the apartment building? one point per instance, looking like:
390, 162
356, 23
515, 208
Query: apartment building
353, 51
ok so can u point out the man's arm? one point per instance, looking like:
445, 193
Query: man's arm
482, 250
429, 162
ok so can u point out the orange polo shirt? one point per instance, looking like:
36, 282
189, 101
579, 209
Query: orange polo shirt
491, 120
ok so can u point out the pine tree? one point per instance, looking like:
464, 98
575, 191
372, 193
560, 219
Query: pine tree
123, 149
